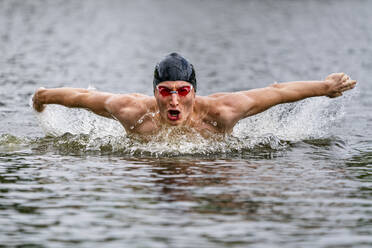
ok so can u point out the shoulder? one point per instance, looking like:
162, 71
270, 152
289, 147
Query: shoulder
212, 109
225, 101
225, 108
129, 108
130, 102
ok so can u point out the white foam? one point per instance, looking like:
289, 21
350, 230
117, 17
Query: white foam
55, 120
310, 118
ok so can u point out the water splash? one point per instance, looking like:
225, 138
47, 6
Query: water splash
57, 120
10, 142
307, 119
82, 131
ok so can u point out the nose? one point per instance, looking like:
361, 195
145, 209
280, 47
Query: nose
174, 100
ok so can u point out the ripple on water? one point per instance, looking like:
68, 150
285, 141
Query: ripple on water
284, 178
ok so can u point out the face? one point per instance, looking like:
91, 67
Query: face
175, 100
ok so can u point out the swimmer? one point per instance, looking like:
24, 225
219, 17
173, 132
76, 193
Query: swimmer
175, 102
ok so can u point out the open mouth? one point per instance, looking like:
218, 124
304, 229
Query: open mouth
174, 115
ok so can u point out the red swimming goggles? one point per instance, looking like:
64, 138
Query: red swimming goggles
182, 91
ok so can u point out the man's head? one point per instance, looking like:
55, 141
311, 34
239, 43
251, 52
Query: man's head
174, 89
174, 67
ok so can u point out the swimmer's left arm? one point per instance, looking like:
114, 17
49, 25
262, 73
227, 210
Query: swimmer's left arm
232, 107
333, 86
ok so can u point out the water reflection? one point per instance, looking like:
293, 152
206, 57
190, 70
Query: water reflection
204, 185
176, 193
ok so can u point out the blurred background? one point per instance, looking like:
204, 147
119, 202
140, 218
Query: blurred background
301, 192
234, 45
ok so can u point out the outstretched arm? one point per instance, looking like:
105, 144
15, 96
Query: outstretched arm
239, 105
333, 86
101, 103
73, 98
124, 108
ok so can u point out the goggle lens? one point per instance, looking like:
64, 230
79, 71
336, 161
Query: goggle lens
182, 91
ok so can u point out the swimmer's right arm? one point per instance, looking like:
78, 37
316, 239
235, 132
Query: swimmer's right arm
98, 102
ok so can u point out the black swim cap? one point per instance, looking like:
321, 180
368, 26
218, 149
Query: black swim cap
174, 68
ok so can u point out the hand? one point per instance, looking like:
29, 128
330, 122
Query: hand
36, 99
338, 83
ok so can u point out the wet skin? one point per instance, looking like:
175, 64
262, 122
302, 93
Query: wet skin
213, 114
162, 112
175, 109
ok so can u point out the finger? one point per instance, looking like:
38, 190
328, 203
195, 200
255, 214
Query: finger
345, 88
349, 83
335, 95
345, 77
350, 87
341, 74
352, 83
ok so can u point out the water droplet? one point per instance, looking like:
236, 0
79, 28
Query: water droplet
132, 127
214, 124
140, 121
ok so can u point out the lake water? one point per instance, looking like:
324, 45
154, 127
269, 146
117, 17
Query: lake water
298, 175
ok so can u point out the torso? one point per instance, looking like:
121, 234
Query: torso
146, 121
